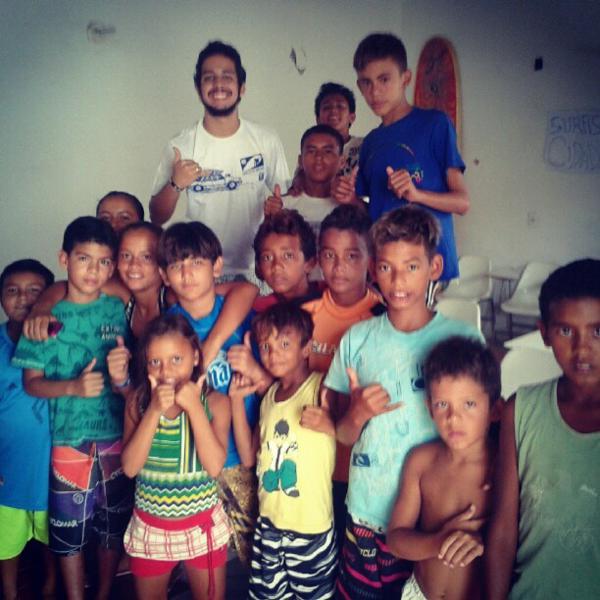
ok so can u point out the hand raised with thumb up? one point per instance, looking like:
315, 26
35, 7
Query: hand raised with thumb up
118, 363
90, 383
274, 203
185, 171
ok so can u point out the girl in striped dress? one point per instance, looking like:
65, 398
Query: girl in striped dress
175, 440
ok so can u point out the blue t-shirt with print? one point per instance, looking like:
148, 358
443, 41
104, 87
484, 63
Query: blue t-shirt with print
379, 353
219, 371
24, 437
423, 143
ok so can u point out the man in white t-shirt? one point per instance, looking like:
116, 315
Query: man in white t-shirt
226, 165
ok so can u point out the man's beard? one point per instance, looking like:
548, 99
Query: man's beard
220, 112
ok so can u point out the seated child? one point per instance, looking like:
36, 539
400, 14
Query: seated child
119, 209
294, 551
175, 444
321, 158
24, 434
285, 251
377, 372
89, 493
544, 536
189, 259
335, 106
443, 498
344, 260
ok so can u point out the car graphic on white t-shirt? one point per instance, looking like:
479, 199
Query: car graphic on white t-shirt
216, 180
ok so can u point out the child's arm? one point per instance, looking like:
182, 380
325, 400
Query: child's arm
246, 440
239, 297
242, 361
456, 543
318, 418
139, 433
35, 327
455, 200
210, 437
365, 403
88, 385
502, 536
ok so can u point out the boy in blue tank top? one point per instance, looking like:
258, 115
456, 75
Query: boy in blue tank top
544, 536
377, 372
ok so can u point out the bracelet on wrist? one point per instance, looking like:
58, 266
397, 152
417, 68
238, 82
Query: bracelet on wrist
120, 386
175, 186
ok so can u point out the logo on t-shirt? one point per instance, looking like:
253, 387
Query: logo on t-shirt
253, 166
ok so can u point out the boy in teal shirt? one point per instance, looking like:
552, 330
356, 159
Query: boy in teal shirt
377, 372
88, 490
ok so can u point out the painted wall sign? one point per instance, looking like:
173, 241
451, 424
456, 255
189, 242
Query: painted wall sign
573, 141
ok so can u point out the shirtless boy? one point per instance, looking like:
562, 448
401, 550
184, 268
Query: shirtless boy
440, 509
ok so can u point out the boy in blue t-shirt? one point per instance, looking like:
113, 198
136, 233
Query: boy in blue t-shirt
377, 372
189, 259
89, 493
412, 157
23, 420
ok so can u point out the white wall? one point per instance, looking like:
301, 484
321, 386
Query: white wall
79, 118
504, 109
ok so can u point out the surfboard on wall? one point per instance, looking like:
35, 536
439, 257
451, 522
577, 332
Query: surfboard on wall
436, 81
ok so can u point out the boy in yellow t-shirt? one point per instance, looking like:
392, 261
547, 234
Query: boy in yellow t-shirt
294, 550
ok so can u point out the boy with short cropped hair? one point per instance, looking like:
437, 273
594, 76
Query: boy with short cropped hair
88, 489
544, 535
344, 260
377, 372
335, 106
443, 499
285, 251
320, 158
294, 550
412, 158
189, 259
23, 419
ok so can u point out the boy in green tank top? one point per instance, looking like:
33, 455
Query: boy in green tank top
544, 538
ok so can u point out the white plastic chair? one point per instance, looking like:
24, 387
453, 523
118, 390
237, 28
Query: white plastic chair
523, 366
524, 301
463, 310
475, 282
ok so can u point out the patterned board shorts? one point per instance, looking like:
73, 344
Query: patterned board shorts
89, 494
287, 564
368, 570
159, 539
